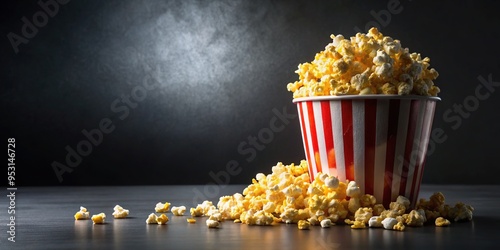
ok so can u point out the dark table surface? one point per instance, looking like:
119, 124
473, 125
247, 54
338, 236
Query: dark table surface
44, 220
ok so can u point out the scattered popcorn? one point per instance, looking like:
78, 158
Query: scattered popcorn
162, 219
365, 64
191, 220
441, 222
416, 218
162, 207
99, 218
326, 223
389, 223
212, 223
303, 224
287, 196
178, 211
203, 209
399, 226
120, 212
375, 221
83, 214
152, 219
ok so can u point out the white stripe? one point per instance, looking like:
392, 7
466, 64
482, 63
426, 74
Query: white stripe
320, 132
427, 125
380, 147
312, 161
399, 154
415, 149
338, 142
358, 126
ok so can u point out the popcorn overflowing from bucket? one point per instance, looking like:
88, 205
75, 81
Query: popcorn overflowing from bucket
365, 64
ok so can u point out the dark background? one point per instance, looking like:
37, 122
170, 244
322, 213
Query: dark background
217, 70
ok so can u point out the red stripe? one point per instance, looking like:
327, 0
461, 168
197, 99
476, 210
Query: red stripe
392, 133
314, 135
346, 106
304, 137
327, 130
412, 123
370, 138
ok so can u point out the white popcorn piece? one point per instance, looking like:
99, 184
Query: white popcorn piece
326, 223
212, 223
353, 190
152, 219
389, 223
119, 212
331, 182
178, 211
162, 207
83, 214
375, 221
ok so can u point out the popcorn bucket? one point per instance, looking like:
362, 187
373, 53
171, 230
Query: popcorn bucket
380, 141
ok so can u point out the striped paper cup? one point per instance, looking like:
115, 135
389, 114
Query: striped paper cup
380, 141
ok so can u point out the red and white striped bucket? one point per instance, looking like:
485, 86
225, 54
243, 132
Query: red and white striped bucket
380, 141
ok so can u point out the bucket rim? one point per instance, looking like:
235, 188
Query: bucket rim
366, 97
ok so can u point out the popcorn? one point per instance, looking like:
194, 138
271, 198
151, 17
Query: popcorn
202, 209
365, 64
120, 212
191, 220
303, 225
152, 219
162, 219
162, 207
441, 222
99, 218
83, 214
212, 223
416, 218
326, 223
178, 211
389, 223
375, 221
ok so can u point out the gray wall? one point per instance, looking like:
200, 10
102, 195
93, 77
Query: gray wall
178, 89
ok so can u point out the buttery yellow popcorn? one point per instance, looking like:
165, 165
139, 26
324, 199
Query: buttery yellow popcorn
399, 226
162, 219
441, 222
178, 211
162, 207
416, 218
287, 196
83, 214
119, 212
365, 64
191, 220
99, 218
303, 225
